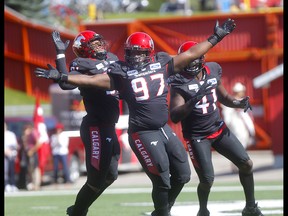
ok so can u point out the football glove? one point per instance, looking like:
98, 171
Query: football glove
244, 103
59, 44
51, 73
221, 31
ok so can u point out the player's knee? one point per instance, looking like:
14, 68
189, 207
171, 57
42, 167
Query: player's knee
207, 182
185, 178
246, 167
205, 186
109, 181
95, 189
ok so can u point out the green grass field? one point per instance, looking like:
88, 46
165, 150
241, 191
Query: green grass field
224, 199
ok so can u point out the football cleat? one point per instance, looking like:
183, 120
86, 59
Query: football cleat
70, 209
252, 211
154, 213
203, 213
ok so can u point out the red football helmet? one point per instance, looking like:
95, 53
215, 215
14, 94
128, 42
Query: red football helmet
89, 44
195, 66
139, 49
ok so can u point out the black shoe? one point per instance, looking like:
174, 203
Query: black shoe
154, 213
252, 211
203, 213
70, 209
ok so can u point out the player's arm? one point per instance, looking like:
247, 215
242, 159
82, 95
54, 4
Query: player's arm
60, 61
178, 108
101, 81
228, 100
183, 59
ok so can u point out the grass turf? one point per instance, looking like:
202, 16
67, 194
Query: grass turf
132, 204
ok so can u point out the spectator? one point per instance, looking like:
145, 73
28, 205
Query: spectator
10, 155
239, 122
31, 145
59, 145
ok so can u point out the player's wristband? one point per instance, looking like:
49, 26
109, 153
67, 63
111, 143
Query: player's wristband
60, 56
64, 77
213, 39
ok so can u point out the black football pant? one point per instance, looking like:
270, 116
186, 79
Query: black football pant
226, 144
164, 159
102, 152
230, 147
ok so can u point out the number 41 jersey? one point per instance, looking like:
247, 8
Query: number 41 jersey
204, 118
145, 91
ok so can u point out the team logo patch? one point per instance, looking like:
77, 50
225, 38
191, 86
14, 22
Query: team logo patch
132, 72
100, 66
212, 81
193, 87
155, 66
154, 143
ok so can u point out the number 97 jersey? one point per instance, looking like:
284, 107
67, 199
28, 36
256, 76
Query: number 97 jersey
145, 91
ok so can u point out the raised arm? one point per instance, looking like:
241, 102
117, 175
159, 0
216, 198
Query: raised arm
101, 81
183, 59
60, 61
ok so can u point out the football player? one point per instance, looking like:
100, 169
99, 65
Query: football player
142, 82
194, 94
97, 128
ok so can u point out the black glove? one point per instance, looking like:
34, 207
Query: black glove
221, 31
51, 73
244, 103
203, 90
59, 44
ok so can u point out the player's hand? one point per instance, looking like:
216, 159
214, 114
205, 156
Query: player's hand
246, 103
51, 73
243, 103
59, 44
221, 31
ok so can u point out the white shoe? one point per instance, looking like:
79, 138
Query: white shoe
30, 186
8, 188
14, 188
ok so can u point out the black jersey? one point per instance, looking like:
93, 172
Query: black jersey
205, 117
145, 91
102, 106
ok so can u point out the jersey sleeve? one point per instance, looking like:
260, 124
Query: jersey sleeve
112, 57
88, 66
117, 72
166, 61
216, 69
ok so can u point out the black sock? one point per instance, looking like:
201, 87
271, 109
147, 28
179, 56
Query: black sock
85, 197
247, 182
160, 200
175, 190
203, 194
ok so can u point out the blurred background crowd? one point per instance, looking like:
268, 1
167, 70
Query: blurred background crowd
69, 13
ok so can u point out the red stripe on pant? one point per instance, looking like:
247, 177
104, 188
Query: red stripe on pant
144, 154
